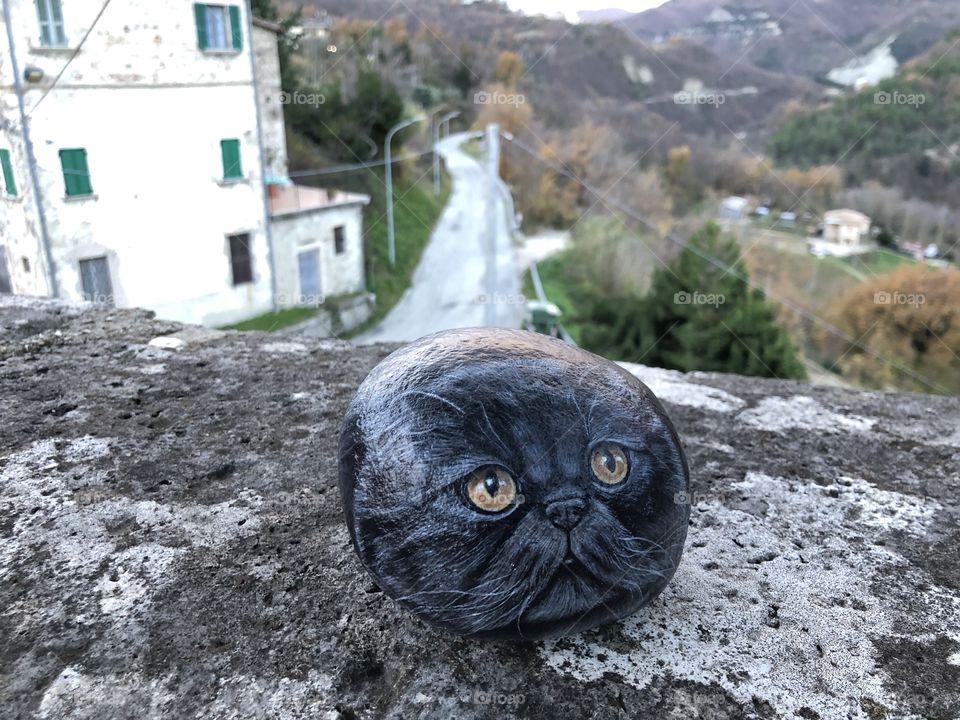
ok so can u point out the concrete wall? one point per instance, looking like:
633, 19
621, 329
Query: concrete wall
299, 231
270, 98
19, 232
20, 245
820, 579
150, 108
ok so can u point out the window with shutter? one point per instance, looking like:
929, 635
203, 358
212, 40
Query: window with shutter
76, 174
218, 27
9, 184
50, 15
230, 153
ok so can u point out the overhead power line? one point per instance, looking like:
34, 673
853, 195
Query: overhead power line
355, 166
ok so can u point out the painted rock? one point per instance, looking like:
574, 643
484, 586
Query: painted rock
500, 483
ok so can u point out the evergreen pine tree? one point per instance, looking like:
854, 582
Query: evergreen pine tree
698, 315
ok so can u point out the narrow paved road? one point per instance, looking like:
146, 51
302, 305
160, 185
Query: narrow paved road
450, 287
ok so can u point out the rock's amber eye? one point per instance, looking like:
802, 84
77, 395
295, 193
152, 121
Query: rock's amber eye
491, 489
609, 463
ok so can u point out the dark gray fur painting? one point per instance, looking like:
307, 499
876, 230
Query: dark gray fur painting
503, 484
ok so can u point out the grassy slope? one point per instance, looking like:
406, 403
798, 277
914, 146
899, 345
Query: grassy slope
813, 283
881, 261
415, 211
268, 322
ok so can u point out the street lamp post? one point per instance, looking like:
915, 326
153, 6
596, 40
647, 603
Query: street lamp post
392, 249
436, 149
432, 125
493, 191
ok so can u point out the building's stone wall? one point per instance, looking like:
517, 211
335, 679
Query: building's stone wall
340, 274
172, 545
165, 234
150, 108
272, 101
19, 235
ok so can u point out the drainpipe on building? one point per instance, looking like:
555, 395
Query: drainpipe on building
51, 270
268, 225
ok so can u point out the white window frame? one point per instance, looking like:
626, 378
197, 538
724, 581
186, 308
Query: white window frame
52, 33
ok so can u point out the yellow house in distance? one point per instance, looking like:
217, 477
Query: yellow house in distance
846, 227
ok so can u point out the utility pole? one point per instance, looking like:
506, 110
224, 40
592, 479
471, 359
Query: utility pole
50, 268
493, 191
436, 157
388, 173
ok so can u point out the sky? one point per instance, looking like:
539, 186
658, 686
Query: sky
569, 7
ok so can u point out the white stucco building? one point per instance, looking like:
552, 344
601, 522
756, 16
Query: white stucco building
144, 164
846, 227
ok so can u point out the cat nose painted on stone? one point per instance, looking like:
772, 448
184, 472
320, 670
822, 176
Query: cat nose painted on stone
565, 514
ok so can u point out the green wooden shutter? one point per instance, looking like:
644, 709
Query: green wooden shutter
8, 181
84, 176
200, 15
236, 30
66, 163
76, 174
230, 152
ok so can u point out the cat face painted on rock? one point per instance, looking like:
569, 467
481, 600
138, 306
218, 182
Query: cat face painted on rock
503, 484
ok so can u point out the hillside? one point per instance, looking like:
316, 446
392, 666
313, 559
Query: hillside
801, 38
598, 72
905, 132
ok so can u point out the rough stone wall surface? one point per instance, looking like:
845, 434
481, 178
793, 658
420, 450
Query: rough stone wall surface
171, 545
269, 95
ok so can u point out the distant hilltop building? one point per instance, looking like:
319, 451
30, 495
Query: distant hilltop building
144, 164
846, 227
